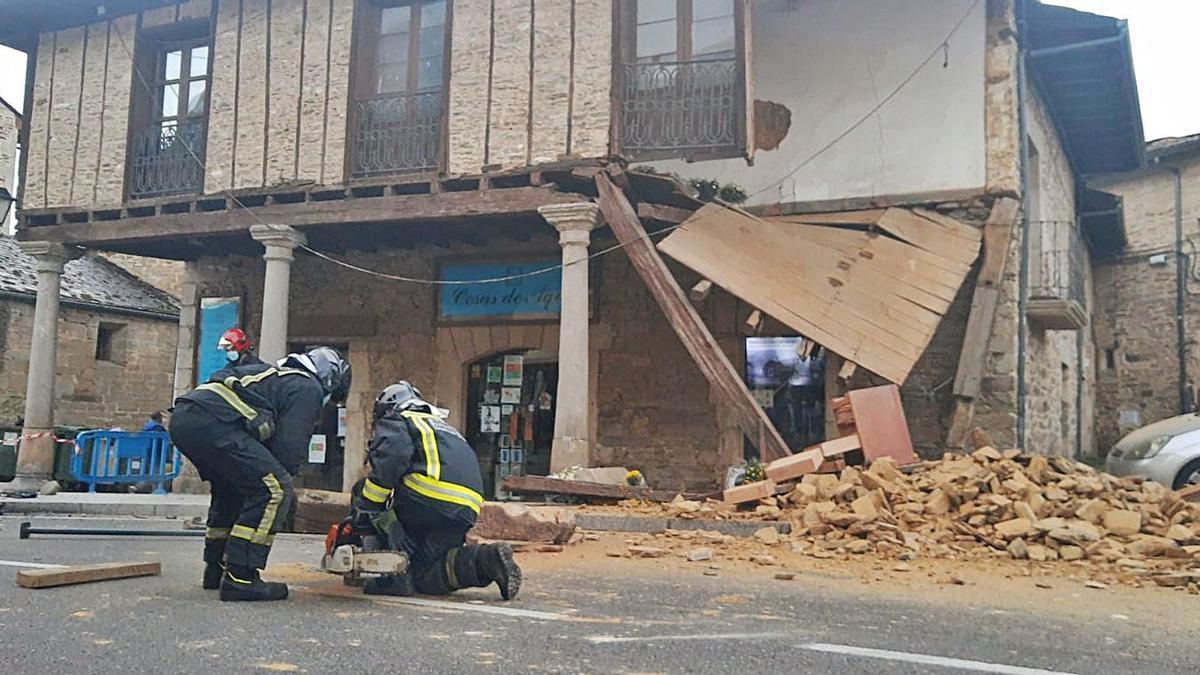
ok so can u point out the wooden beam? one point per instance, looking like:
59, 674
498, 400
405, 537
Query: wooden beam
577, 488
697, 339
662, 213
972, 359
83, 574
399, 209
847, 370
807, 348
700, 291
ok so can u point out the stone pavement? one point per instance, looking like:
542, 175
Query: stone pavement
106, 504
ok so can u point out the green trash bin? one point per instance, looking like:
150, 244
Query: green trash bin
8, 453
64, 454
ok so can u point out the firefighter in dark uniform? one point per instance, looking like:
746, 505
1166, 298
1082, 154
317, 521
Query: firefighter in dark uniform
423, 496
247, 430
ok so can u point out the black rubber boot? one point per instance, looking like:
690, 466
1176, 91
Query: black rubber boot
495, 563
390, 584
243, 585
212, 576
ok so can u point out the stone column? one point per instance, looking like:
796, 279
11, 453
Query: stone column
35, 459
188, 481
572, 422
279, 241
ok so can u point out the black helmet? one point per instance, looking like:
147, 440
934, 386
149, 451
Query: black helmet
331, 369
396, 396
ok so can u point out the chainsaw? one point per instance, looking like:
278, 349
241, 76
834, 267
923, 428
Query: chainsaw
356, 555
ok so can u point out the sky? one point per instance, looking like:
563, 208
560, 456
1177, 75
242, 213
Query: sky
1166, 52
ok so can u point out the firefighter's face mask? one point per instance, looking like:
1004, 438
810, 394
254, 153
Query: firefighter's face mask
231, 355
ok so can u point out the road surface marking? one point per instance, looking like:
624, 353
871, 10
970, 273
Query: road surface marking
483, 609
928, 660
615, 639
38, 566
450, 605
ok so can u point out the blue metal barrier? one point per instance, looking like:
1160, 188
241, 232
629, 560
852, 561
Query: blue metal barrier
110, 457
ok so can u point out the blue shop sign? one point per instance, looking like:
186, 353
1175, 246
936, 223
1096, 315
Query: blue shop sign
537, 296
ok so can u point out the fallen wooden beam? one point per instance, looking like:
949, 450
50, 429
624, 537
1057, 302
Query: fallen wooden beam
840, 446
83, 574
750, 492
725, 380
662, 213
754, 323
577, 488
847, 370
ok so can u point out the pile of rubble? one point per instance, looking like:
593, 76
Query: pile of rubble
990, 503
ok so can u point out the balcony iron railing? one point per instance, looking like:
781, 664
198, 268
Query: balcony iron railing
1057, 296
679, 108
395, 133
168, 159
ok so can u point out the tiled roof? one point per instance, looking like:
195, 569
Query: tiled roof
1171, 145
90, 279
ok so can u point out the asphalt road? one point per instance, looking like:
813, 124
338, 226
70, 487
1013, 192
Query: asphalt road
611, 619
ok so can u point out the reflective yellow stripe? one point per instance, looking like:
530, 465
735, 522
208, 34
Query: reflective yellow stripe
216, 533
443, 491
433, 460
375, 493
259, 377
268, 520
231, 398
262, 534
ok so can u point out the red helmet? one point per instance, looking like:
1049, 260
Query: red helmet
235, 339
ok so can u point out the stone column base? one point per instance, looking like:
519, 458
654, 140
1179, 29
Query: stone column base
566, 452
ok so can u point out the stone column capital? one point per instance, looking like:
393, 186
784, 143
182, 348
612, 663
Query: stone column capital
279, 240
574, 222
49, 256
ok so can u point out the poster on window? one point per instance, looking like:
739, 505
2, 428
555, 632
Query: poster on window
493, 374
514, 370
489, 419
217, 315
316, 449
510, 395
341, 422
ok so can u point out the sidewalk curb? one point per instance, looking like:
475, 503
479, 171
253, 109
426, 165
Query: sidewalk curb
11, 507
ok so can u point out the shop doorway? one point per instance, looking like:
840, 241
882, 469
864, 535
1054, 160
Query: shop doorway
787, 377
510, 415
327, 448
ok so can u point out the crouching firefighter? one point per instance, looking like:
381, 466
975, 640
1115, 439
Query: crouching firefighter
247, 430
423, 495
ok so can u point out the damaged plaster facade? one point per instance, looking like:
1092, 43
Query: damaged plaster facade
531, 86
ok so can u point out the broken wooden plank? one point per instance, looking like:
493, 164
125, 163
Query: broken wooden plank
726, 381
1190, 493
750, 492
807, 348
83, 574
754, 323
795, 466
840, 446
847, 370
700, 291
578, 488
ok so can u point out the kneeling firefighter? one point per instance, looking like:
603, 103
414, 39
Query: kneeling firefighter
247, 430
425, 470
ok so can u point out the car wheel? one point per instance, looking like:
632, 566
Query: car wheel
1188, 475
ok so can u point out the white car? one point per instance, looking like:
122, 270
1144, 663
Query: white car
1166, 452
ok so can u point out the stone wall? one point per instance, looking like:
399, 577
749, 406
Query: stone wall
90, 392
1137, 344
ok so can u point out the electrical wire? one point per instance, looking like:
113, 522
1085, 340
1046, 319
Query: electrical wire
942, 47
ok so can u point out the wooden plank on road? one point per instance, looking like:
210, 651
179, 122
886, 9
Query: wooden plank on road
696, 338
83, 574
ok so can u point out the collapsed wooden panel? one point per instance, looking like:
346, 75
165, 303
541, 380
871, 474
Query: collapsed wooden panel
870, 298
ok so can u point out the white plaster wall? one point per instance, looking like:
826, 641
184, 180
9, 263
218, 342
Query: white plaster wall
830, 62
